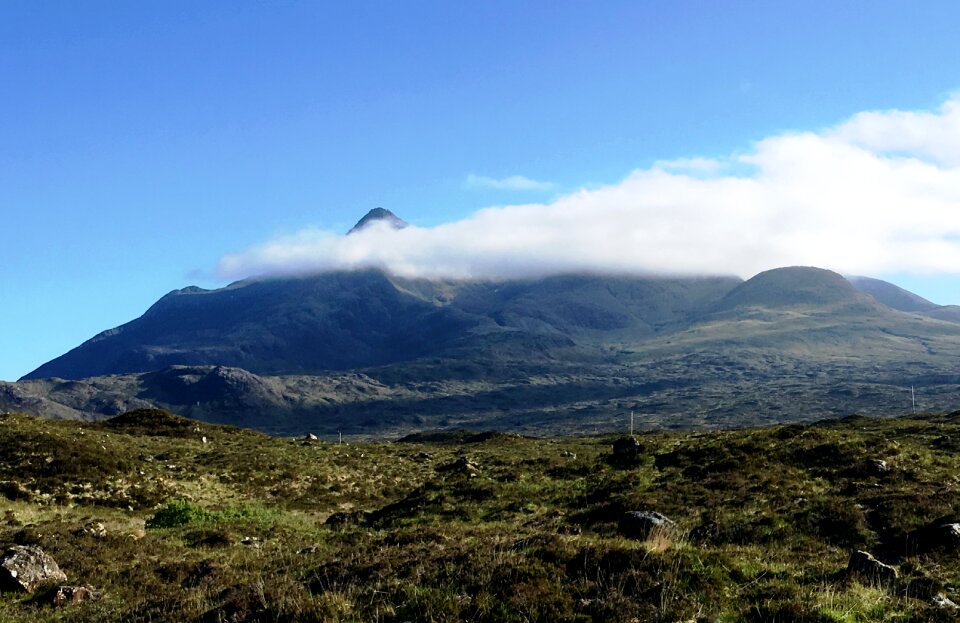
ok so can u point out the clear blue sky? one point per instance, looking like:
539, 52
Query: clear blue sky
140, 142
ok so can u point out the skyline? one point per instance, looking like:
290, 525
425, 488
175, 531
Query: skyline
144, 146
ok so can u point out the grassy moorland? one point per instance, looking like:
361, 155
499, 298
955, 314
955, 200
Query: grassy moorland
207, 523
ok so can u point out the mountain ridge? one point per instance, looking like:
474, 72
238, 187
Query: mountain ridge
370, 352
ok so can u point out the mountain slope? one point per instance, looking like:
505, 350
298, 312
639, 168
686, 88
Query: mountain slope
330, 321
345, 320
892, 296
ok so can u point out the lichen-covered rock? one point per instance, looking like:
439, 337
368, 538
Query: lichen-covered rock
866, 569
25, 567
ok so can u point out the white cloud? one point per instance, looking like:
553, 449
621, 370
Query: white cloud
691, 165
513, 182
877, 194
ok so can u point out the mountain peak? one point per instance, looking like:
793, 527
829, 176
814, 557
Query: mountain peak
376, 215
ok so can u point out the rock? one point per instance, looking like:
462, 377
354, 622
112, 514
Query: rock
251, 541
309, 550
347, 518
868, 570
25, 567
944, 602
14, 491
60, 596
878, 467
95, 529
311, 437
463, 465
626, 450
644, 524
938, 536
568, 454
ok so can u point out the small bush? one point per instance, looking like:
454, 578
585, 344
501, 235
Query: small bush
176, 514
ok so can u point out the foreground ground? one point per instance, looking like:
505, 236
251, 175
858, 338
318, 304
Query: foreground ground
206, 523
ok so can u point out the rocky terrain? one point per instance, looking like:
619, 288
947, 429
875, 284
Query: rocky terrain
152, 517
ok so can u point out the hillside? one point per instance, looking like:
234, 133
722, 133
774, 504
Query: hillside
164, 518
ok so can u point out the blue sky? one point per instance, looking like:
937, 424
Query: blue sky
141, 143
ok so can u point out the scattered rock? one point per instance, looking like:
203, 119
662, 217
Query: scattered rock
868, 570
568, 454
309, 550
944, 602
424, 456
25, 567
61, 596
644, 524
251, 541
95, 529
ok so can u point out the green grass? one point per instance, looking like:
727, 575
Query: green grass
234, 528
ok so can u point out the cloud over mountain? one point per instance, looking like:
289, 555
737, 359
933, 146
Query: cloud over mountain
878, 193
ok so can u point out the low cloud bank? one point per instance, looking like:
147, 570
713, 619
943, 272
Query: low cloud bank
879, 193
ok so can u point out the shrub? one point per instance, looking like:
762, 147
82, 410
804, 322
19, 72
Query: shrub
176, 514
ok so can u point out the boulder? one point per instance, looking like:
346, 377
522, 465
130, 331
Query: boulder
866, 569
626, 449
939, 536
25, 567
644, 524
942, 601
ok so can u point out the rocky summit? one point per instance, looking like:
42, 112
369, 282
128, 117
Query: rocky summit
378, 215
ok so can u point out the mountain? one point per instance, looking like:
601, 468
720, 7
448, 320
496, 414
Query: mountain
371, 353
378, 215
346, 320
